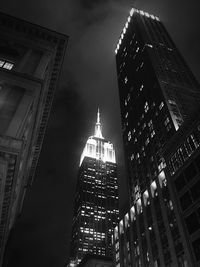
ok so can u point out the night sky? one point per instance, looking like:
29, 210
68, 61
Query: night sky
88, 81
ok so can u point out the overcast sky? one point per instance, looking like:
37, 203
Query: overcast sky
88, 81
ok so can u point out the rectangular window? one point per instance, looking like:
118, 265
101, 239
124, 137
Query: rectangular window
190, 172
195, 191
180, 182
192, 223
6, 64
196, 246
185, 201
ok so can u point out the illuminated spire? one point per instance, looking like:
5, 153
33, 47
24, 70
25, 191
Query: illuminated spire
98, 132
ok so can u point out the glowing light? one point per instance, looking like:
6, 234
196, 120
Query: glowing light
132, 11
96, 147
141, 12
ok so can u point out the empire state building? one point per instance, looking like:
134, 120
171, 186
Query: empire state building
96, 199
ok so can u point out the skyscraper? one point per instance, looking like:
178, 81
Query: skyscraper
30, 62
96, 199
158, 92
182, 156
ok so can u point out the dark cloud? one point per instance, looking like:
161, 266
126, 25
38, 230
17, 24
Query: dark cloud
88, 81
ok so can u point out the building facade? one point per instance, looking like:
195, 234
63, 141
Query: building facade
96, 261
182, 156
158, 92
96, 199
30, 62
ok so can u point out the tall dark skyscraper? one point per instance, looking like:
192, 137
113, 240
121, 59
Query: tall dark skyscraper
96, 199
30, 62
158, 92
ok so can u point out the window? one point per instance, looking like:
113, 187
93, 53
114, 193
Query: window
129, 136
137, 49
195, 191
161, 105
180, 182
146, 107
152, 134
147, 141
197, 160
192, 223
6, 64
141, 87
185, 201
190, 172
166, 121
196, 246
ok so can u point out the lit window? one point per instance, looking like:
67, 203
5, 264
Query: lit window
150, 124
149, 45
132, 157
166, 121
137, 49
126, 79
147, 142
146, 107
126, 116
144, 125
145, 197
152, 134
141, 87
129, 136
161, 105
1, 63
141, 65
153, 188
8, 66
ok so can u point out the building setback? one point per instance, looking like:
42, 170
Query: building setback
158, 92
30, 62
96, 199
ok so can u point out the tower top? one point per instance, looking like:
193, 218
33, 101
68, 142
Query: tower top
97, 132
97, 147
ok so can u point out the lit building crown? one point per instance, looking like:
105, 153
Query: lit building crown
132, 11
97, 147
